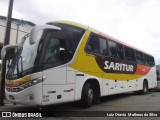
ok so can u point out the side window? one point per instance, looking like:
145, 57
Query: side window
54, 52
139, 57
112, 48
129, 54
152, 63
72, 35
120, 53
115, 49
146, 59
97, 45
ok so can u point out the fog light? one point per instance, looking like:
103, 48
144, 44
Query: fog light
11, 97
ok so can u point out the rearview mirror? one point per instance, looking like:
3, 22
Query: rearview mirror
9, 51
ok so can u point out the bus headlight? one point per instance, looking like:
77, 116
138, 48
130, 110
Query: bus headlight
31, 82
26, 85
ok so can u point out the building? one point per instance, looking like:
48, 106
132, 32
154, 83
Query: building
19, 28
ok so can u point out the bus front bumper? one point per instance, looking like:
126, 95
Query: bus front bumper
29, 96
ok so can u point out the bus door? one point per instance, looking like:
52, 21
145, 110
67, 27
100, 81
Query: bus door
54, 68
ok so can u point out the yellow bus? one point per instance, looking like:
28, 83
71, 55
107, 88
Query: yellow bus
64, 61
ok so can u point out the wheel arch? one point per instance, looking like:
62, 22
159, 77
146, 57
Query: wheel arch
146, 80
95, 82
82, 80
89, 98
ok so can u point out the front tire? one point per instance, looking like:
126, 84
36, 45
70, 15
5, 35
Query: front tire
88, 95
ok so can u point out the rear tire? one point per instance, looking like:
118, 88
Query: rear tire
88, 95
145, 88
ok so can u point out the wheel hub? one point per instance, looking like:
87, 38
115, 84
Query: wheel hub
90, 95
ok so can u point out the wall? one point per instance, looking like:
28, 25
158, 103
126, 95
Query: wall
23, 29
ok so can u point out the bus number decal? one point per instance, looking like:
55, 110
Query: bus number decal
46, 98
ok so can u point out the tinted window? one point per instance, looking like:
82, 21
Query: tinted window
116, 50
55, 51
97, 45
139, 57
72, 35
129, 54
146, 59
152, 63
112, 48
120, 53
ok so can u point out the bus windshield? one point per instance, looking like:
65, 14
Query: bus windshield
23, 62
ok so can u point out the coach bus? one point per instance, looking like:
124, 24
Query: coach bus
64, 61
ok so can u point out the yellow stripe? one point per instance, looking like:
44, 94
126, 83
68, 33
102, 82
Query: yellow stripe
23, 79
78, 25
72, 23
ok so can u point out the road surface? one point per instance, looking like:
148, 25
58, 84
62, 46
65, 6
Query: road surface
113, 107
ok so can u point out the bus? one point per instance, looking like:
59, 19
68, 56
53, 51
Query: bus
64, 61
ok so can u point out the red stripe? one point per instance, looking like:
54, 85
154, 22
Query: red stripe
142, 70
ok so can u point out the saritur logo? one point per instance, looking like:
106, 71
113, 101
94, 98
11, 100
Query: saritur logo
113, 65
118, 66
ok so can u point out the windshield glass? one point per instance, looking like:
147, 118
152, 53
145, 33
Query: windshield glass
23, 62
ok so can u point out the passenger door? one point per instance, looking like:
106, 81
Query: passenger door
54, 69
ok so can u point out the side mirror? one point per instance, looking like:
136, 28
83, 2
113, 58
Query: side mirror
9, 51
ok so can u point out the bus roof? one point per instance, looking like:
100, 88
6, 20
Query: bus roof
70, 23
99, 33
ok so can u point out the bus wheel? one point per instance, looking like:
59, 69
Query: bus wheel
145, 88
87, 95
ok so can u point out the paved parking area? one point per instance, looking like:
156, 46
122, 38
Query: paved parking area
120, 104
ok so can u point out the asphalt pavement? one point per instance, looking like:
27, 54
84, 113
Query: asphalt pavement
116, 105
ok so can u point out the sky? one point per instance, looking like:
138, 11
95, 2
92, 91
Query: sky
135, 22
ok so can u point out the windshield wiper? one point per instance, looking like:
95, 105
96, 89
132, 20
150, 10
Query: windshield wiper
21, 63
20, 72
